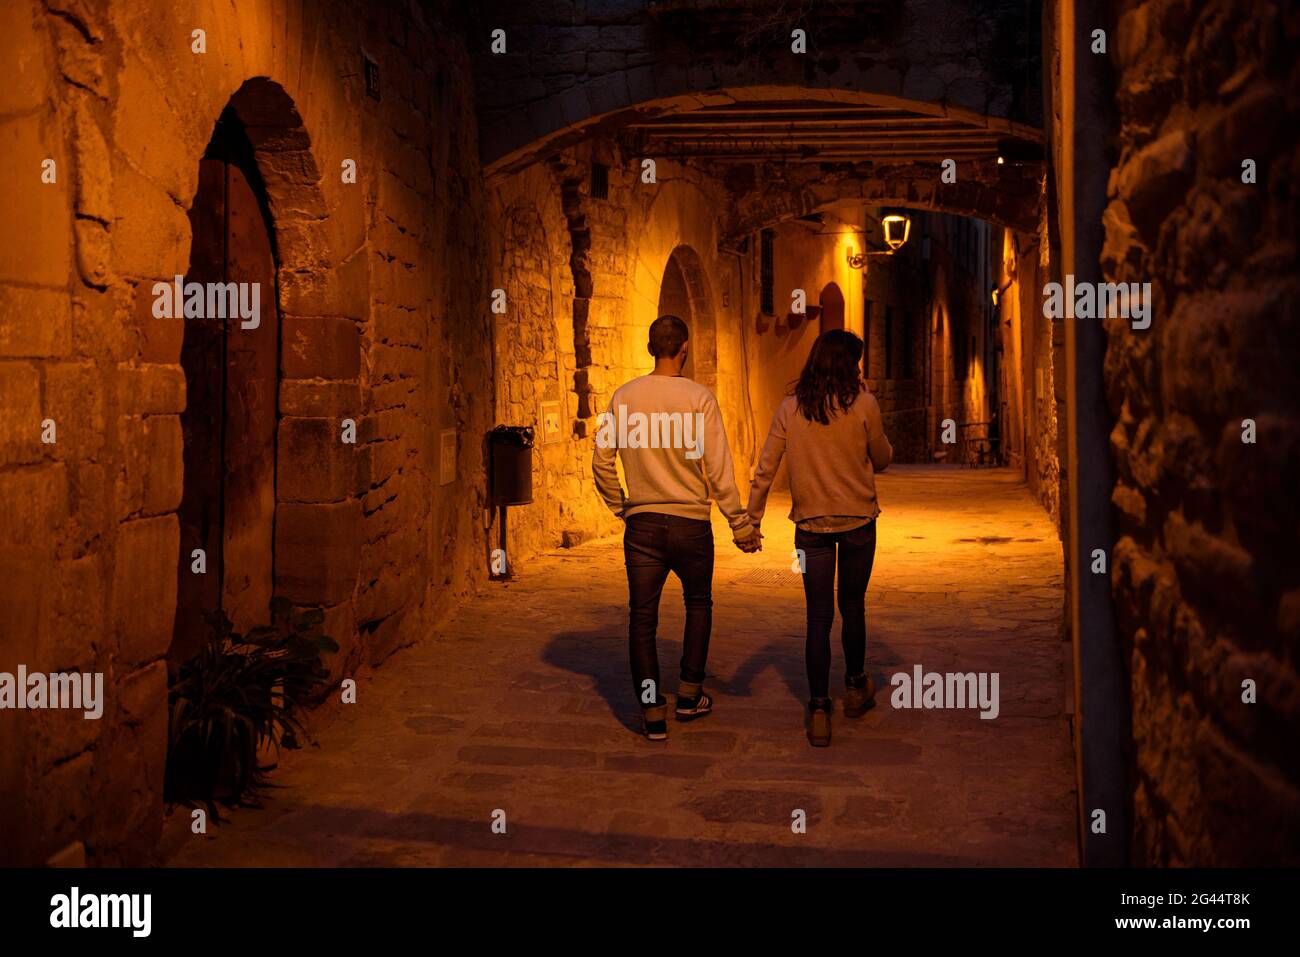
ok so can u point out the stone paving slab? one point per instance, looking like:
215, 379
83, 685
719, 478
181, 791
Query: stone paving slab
522, 703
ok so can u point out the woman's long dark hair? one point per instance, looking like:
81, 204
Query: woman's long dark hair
831, 380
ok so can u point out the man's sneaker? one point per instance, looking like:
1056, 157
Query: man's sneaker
692, 702
860, 696
655, 722
819, 722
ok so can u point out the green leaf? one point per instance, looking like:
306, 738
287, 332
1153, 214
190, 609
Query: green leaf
310, 617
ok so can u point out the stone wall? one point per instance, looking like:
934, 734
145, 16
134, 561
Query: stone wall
536, 363
1206, 584
381, 292
807, 256
582, 339
1033, 351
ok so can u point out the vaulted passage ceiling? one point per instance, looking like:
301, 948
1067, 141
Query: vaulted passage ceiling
818, 131
950, 70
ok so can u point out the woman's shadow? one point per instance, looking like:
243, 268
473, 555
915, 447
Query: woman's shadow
783, 655
604, 658
786, 657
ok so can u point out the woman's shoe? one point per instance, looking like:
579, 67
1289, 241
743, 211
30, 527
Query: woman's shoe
859, 696
819, 722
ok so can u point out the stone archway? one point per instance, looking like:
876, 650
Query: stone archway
289, 463
676, 223
678, 220
939, 53
1006, 195
684, 292
230, 359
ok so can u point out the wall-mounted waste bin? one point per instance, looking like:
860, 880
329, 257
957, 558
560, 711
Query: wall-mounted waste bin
512, 464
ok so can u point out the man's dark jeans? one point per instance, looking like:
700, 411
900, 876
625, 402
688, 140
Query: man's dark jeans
654, 545
857, 551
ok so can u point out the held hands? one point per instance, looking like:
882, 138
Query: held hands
751, 543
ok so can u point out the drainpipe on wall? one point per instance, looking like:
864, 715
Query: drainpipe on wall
754, 441
1084, 104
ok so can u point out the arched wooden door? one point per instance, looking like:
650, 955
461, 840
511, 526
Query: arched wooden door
229, 426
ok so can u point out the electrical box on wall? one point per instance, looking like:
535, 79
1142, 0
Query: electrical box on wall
447, 457
550, 421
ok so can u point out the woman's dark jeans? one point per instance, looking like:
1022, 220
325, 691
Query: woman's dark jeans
654, 545
857, 551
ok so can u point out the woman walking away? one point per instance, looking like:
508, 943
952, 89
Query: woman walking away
831, 431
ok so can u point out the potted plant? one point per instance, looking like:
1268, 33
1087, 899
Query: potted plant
240, 694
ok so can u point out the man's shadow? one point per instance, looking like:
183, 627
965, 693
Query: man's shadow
604, 658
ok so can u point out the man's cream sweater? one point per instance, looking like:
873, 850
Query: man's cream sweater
668, 432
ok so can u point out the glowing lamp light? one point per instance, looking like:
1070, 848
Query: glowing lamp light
897, 229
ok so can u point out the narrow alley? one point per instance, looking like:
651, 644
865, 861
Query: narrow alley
312, 315
521, 704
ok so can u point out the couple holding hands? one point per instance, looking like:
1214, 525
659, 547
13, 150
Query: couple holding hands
829, 428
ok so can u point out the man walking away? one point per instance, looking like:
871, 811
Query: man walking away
667, 431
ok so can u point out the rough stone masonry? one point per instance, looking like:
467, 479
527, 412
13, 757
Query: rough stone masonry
378, 282
1206, 580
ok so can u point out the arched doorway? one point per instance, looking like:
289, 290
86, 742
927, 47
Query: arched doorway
832, 303
684, 292
270, 488
231, 364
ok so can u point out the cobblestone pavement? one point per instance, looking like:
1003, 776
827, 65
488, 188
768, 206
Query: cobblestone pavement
523, 703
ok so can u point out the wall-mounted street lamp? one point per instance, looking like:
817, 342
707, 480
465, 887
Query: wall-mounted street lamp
897, 228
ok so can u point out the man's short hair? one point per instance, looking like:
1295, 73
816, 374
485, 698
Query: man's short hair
667, 336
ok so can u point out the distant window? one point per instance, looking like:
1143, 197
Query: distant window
599, 181
907, 346
372, 76
889, 342
767, 271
